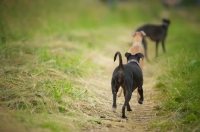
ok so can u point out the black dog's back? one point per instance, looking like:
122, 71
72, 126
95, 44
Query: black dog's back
129, 77
156, 33
135, 75
127, 71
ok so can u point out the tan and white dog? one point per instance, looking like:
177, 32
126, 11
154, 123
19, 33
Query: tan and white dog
137, 47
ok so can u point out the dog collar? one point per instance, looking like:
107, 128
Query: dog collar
133, 60
136, 43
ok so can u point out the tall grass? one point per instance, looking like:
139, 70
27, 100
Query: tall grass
42, 60
40, 80
180, 82
24, 20
45, 49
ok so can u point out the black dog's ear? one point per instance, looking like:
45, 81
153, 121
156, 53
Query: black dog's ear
127, 55
139, 55
166, 21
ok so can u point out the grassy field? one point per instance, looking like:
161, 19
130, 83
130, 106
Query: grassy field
179, 82
50, 49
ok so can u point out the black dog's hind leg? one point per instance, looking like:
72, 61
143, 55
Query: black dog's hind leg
114, 88
126, 103
157, 48
129, 107
140, 91
163, 46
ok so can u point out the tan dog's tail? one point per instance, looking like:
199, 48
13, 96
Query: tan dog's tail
119, 92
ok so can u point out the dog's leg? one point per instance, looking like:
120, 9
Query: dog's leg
127, 93
114, 92
119, 92
123, 108
138, 95
163, 46
144, 42
157, 48
140, 91
114, 106
114, 100
129, 107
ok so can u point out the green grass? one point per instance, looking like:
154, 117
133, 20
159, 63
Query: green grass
41, 80
47, 47
37, 19
180, 81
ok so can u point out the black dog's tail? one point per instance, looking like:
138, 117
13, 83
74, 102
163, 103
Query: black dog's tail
120, 60
119, 78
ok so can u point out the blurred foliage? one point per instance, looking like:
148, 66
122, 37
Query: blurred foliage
44, 43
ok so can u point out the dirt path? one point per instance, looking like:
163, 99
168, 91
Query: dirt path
140, 116
138, 119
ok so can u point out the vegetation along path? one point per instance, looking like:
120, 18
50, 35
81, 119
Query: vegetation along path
57, 59
140, 117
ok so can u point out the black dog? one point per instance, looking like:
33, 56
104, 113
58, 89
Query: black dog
155, 33
129, 77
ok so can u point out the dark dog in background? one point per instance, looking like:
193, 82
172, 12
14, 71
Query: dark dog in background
156, 33
129, 77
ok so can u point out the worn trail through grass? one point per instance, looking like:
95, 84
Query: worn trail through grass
138, 119
56, 63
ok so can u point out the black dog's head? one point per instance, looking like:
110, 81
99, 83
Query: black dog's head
166, 21
135, 57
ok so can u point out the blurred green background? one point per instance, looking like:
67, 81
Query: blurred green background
47, 47
25, 19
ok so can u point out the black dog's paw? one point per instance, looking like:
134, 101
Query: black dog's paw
129, 109
140, 101
124, 117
